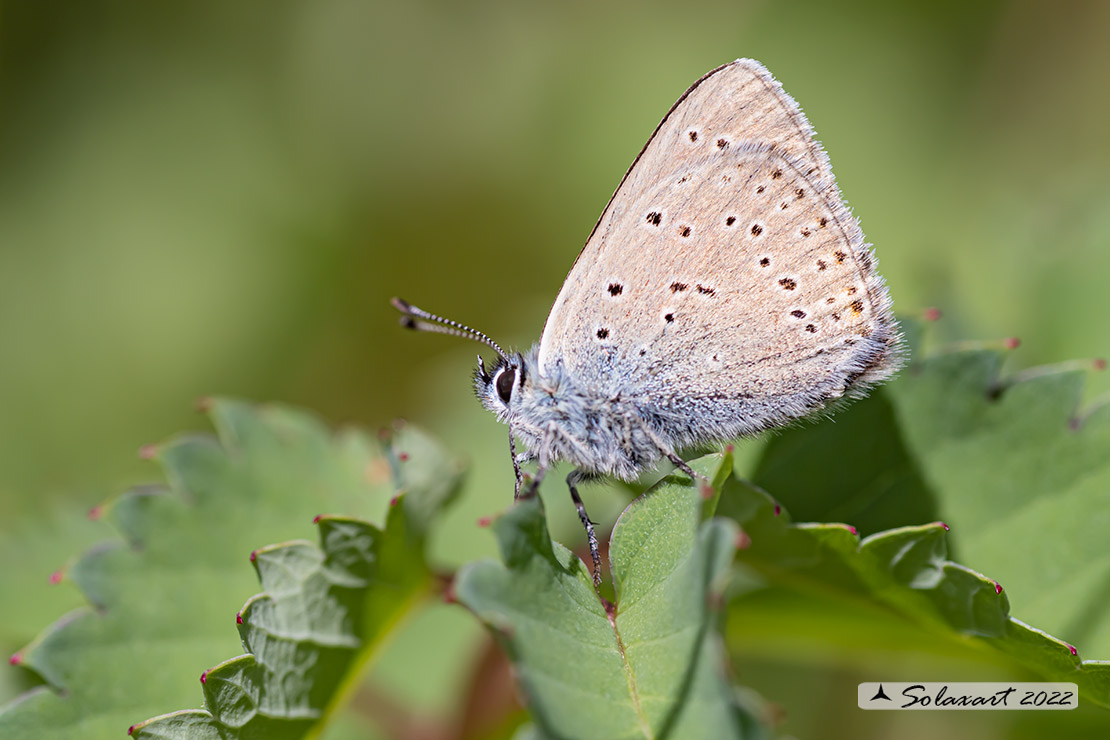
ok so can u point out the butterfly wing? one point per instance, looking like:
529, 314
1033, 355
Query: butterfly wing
726, 275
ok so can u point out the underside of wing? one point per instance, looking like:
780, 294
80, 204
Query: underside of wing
726, 266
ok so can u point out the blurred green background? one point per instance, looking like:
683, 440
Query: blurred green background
220, 197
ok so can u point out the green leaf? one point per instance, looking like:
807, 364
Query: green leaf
162, 597
323, 612
648, 666
1020, 476
30, 594
907, 571
1023, 478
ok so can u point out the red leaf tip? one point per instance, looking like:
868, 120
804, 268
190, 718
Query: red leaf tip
778, 510
238, 617
393, 501
997, 587
730, 449
203, 404
853, 530
147, 452
95, 513
932, 314
485, 521
56, 577
707, 491
204, 677
1071, 648
131, 730
1099, 363
316, 519
403, 456
946, 528
1011, 342
254, 555
742, 541
16, 659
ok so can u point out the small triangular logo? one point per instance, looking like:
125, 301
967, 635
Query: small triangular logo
880, 694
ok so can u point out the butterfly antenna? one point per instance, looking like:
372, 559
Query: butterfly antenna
418, 319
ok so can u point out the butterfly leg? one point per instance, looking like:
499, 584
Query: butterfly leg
576, 477
544, 462
516, 465
681, 465
705, 484
534, 487
678, 462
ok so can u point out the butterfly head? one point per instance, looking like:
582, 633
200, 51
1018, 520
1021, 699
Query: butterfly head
503, 387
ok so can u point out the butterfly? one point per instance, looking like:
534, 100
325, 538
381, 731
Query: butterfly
725, 290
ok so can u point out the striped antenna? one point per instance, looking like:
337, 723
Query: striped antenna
418, 319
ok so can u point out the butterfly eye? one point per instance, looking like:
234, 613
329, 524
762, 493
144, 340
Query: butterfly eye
504, 384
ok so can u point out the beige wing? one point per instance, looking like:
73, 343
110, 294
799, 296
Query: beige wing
726, 263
